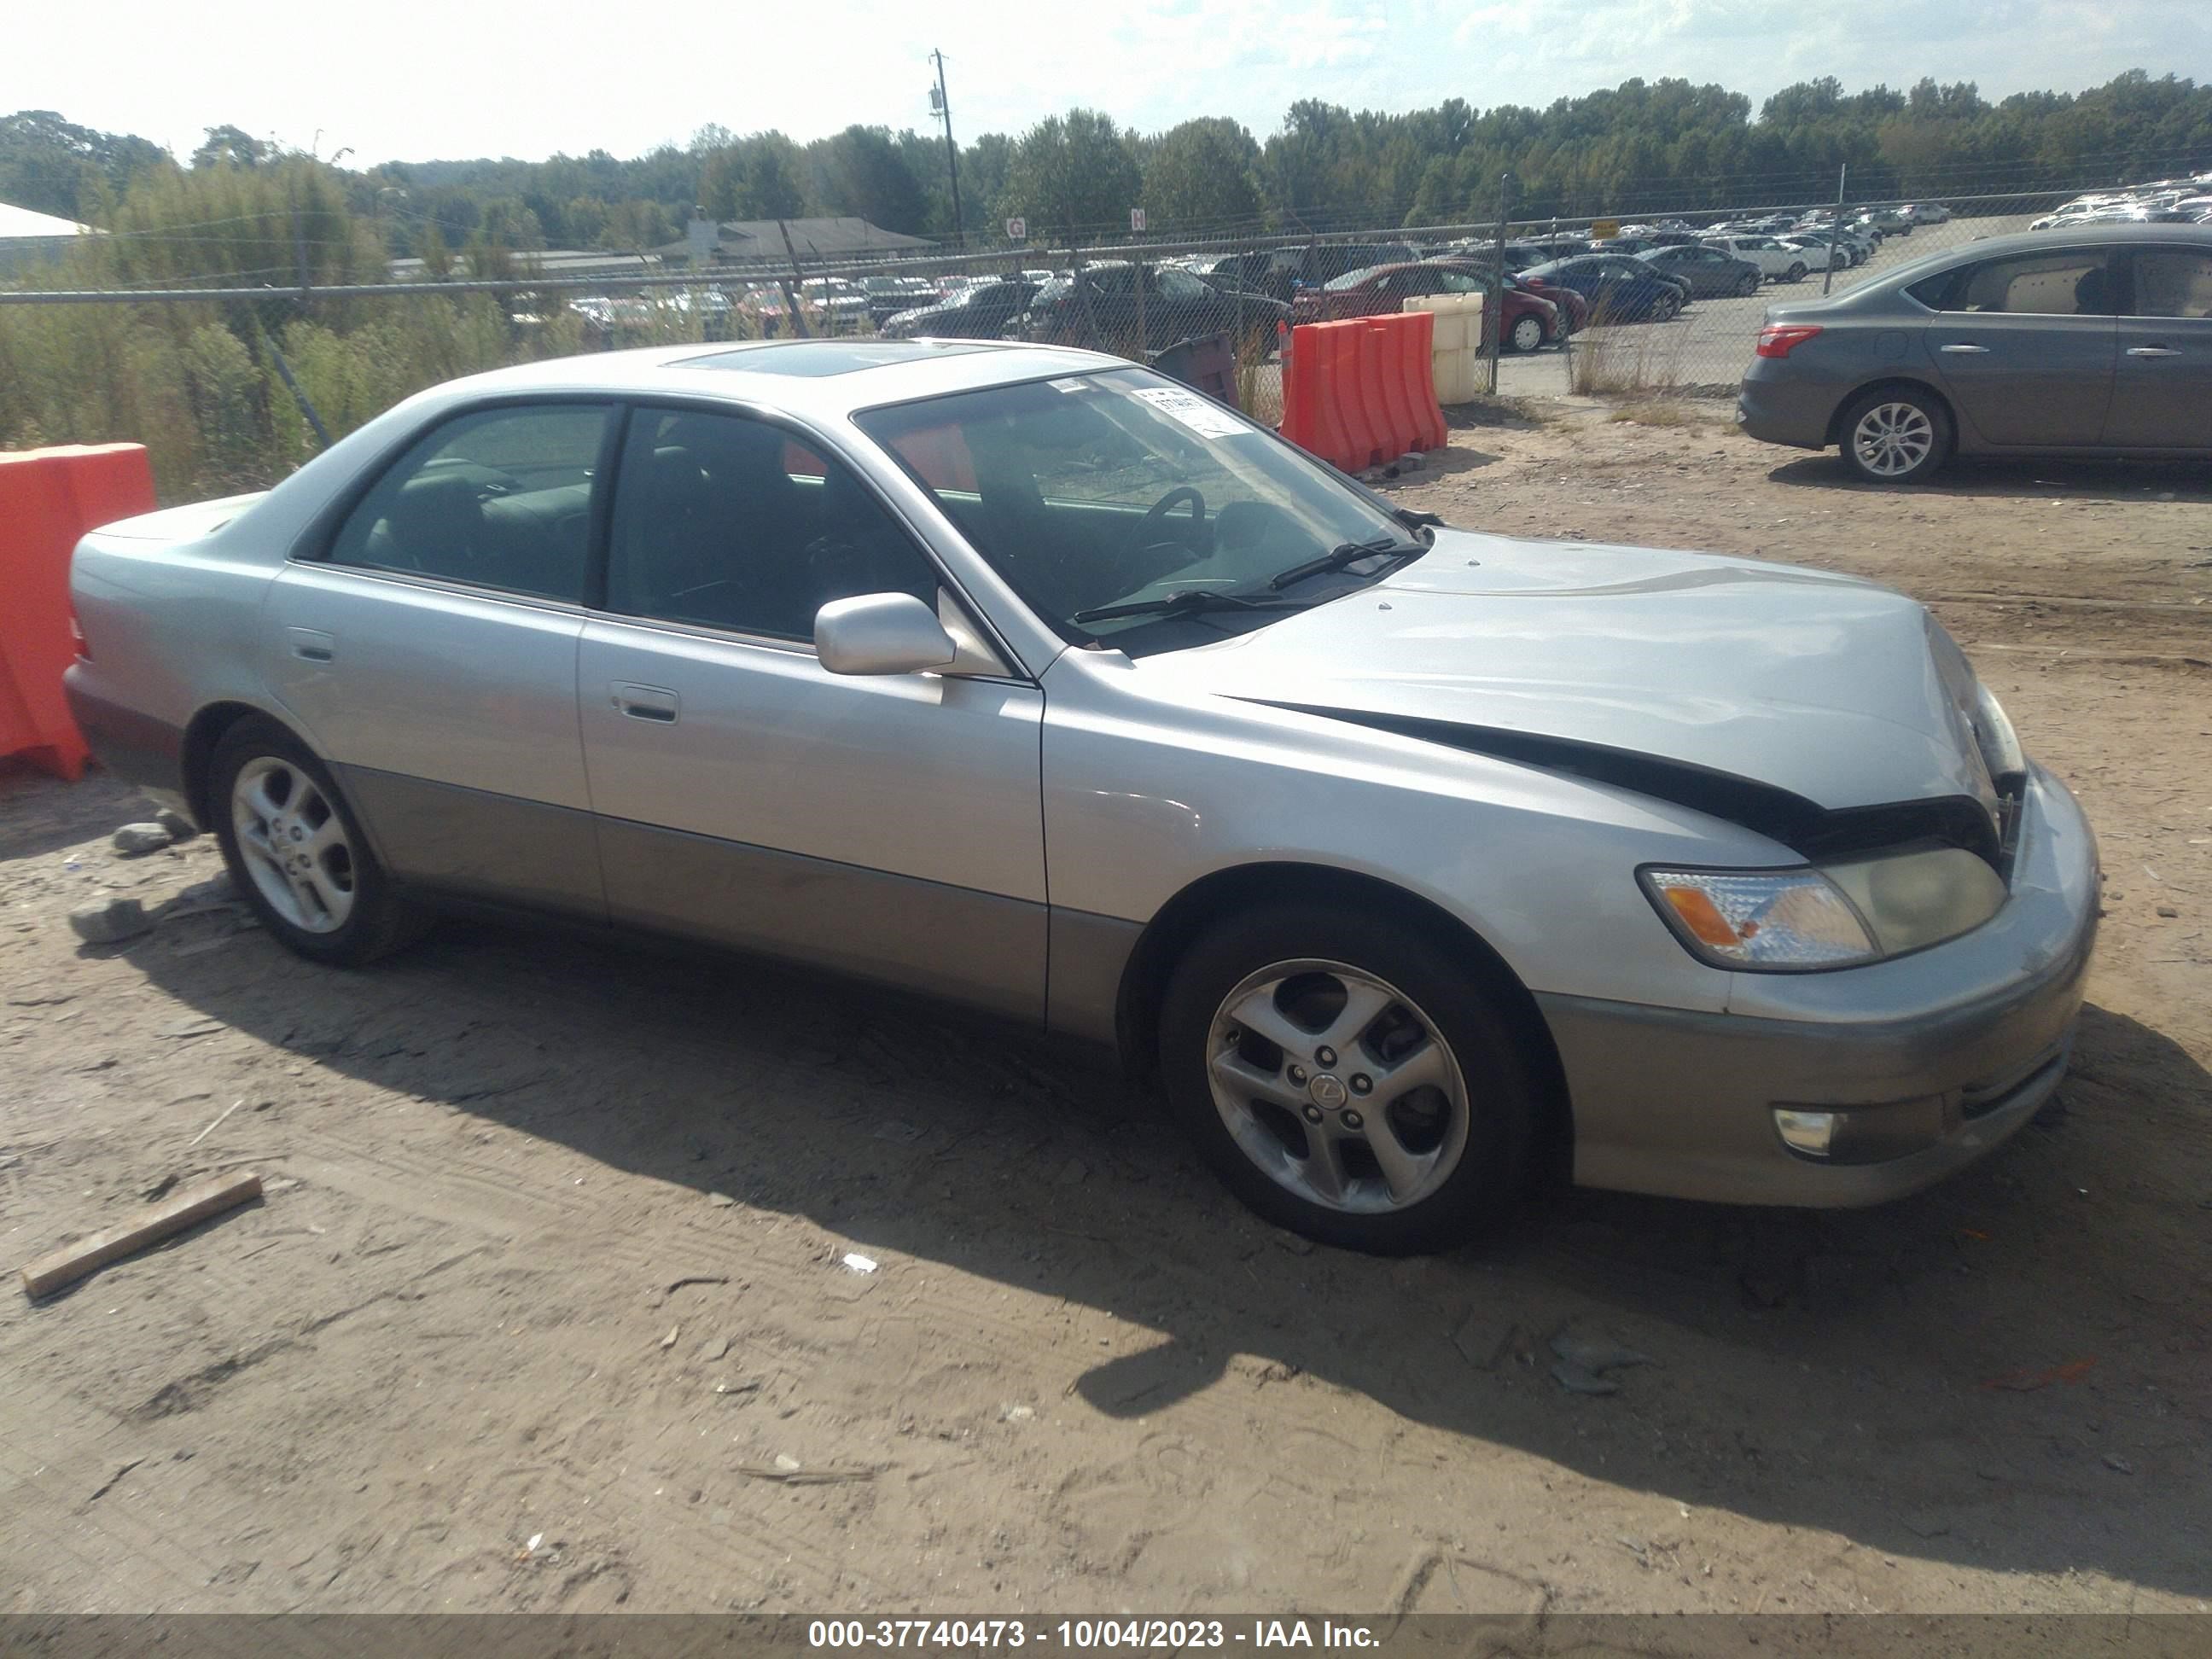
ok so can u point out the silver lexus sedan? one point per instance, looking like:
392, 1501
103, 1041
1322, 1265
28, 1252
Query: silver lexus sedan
1410, 858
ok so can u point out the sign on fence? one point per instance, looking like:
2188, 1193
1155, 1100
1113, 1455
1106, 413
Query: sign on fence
1018, 230
1137, 221
1604, 230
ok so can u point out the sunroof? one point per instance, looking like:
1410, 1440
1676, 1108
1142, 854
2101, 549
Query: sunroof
814, 359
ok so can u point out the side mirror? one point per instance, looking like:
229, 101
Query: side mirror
881, 634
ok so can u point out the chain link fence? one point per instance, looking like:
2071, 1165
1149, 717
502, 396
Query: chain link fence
1668, 303
233, 385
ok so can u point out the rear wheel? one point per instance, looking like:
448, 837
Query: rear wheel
295, 851
1526, 334
1896, 434
1796, 273
1348, 1079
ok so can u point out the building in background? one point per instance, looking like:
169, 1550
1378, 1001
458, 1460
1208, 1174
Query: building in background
29, 239
548, 262
756, 241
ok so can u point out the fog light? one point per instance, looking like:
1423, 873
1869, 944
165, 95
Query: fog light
1808, 1133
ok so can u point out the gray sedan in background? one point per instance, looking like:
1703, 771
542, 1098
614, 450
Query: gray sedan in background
2096, 340
1410, 859
1711, 274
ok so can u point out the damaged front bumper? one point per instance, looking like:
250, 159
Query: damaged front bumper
1921, 1064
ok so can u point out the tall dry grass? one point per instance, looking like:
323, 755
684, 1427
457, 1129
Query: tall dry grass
1614, 357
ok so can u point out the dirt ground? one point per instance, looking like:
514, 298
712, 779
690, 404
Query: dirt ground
545, 1308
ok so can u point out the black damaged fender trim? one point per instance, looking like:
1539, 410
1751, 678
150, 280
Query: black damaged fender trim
1806, 827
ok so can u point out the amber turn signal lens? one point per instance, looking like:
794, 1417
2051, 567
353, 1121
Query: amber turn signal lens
1702, 917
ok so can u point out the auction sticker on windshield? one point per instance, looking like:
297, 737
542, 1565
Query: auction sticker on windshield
1201, 414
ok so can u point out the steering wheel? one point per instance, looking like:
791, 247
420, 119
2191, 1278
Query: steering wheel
1155, 517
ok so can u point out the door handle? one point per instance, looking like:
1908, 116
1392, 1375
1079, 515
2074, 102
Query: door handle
1973, 351
312, 645
2151, 351
645, 702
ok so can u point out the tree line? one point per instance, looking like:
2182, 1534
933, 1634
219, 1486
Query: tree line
1642, 146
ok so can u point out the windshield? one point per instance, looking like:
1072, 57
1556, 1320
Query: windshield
1124, 488
1350, 278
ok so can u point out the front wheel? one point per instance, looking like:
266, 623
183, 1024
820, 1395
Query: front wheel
295, 851
1349, 1078
1747, 285
1896, 434
1667, 308
1526, 334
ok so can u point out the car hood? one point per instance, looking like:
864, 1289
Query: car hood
1841, 693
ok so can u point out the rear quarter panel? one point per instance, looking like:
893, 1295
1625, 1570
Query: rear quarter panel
1848, 354
170, 627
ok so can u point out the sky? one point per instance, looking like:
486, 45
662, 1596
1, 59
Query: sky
411, 80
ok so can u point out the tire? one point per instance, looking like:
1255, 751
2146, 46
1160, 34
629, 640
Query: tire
1667, 308
1747, 285
1895, 435
1257, 1110
1527, 334
1796, 273
329, 901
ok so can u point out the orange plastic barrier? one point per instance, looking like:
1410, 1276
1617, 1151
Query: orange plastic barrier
1416, 372
48, 498
1312, 420
1391, 395
1361, 392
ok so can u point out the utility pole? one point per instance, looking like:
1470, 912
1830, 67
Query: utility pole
944, 106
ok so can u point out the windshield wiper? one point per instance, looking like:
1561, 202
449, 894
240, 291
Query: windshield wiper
1350, 553
1190, 599
1413, 518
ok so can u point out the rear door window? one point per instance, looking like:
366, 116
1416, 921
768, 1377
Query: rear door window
2066, 282
2173, 283
499, 499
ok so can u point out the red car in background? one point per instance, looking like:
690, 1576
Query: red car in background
1531, 319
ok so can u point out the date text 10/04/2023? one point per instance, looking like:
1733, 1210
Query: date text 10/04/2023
1085, 1635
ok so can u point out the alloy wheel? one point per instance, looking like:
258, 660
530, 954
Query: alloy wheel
1338, 1086
294, 844
1893, 440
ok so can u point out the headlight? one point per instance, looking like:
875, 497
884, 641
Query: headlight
1785, 921
1913, 900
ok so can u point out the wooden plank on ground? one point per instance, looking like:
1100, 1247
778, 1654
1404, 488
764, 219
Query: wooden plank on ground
187, 1205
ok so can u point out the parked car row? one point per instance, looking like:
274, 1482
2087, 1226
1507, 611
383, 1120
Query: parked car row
1646, 272
1533, 316
1615, 286
1116, 304
2165, 201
